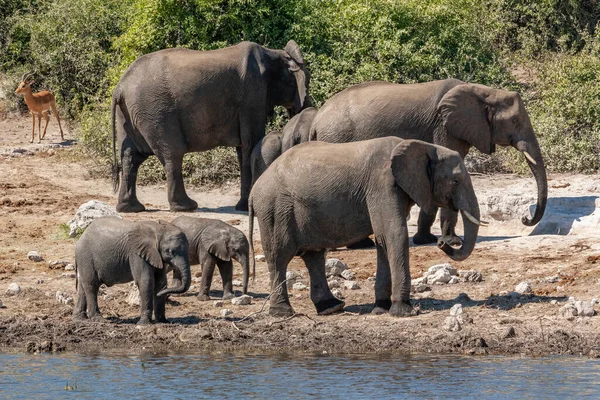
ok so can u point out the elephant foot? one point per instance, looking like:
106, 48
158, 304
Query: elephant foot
242, 205
80, 316
452, 240
281, 310
366, 243
183, 206
381, 307
329, 306
424, 238
402, 309
96, 318
133, 206
203, 297
144, 321
227, 296
162, 320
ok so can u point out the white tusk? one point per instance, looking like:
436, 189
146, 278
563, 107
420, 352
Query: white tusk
529, 158
473, 219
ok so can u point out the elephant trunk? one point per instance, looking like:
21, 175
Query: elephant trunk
471, 222
186, 278
535, 161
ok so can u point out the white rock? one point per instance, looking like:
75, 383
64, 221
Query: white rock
440, 276
237, 282
13, 289
348, 275
133, 297
88, 212
243, 300
260, 258
456, 310
451, 324
333, 284
35, 256
572, 299
337, 293
299, 286
523, 288
552, 279
218, 303
435, 268
57, 264
69, 267
225, 312
553, 302
64, 298
421, 288
584, 309
470, 275
418, 281
453, 280
351, 285
594, 301
568, 311
335, 267
371, 279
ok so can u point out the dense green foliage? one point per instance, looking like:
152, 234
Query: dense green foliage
80, 48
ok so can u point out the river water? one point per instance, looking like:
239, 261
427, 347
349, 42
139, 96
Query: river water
151, 376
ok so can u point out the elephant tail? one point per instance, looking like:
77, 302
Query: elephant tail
251, 228
115, 165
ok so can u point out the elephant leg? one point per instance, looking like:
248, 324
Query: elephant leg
396, 246
178, 198
145, 285
383, 282
131, 159
80, 310
245, 177
324, 301
160, 283
91, 295
226, 271
424, 235
448, 219
279, 304
208, 269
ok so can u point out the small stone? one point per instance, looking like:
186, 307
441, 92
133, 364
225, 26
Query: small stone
572, 299
560, 288
225, 312
291, 277
523, 288
69, 267
333, 283
260, 258
470, 275
70, 275
64, 298
453, 280
236, 282
13, 289
39, 281
451, 324
584, 309
553, 301
568, 311
335, 267
552, 279
338, 293
58, 264
348, 275
509, 332
594, 301
35, 256
299, 286
218, 303
456, 310
351, 285
242, 300
422, 288
2, 305
371, 279
133, 298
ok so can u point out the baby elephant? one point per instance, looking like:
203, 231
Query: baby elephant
214, 242
114, 250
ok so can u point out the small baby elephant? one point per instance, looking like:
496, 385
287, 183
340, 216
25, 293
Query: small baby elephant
114, 250
214, 242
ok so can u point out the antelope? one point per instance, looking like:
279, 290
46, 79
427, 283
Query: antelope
38, 103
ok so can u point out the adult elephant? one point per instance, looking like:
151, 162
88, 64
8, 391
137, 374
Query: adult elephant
449, 113
362, 188
176, 101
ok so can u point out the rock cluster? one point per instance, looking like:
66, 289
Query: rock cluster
64, 298
88, 212
444, 274
335, 267
577, 308
457, 319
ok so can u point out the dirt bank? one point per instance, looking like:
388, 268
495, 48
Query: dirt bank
41, 188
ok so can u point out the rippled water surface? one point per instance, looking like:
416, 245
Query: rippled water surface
300, 377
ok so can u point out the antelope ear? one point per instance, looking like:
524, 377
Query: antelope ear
144, 243
216, 242
412, 163
467, 113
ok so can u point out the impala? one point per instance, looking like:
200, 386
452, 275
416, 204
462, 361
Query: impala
38, 103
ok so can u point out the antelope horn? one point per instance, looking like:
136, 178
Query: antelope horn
529, 158
473, 219
26, 76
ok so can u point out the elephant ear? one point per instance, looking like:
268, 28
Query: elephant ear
296, 67
144, 243
412, 166
467, 113
216, 242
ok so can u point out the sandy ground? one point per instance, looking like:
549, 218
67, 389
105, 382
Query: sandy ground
41, 187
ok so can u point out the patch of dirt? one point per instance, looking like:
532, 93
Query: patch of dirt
41, 191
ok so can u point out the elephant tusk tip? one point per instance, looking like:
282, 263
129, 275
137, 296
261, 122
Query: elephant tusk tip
529, 158
484, 223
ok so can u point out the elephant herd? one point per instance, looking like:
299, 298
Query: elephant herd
331, 178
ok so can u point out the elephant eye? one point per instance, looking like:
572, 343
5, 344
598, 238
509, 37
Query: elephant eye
455, 182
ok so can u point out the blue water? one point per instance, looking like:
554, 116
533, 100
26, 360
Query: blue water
295, 377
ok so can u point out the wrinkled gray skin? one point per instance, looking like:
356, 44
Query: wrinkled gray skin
114, 250
296, 131
449, 113
318, 196
264, 153
213, 242
177, 101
